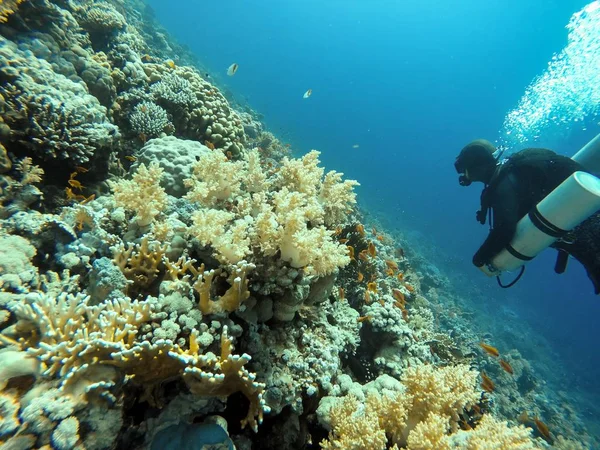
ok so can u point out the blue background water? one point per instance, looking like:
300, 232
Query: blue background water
410, 82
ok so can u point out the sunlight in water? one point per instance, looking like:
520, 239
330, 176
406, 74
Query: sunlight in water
567, 94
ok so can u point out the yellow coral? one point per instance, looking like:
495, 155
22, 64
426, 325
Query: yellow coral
142, 194
8, 7
215, 179
88, 348
354, 428
423, 417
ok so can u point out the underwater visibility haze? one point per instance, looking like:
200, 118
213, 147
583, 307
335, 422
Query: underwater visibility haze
239, 223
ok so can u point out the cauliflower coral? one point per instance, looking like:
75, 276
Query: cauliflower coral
422, 417
291, 212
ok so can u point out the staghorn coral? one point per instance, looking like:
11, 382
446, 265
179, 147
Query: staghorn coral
139, 263
142, 194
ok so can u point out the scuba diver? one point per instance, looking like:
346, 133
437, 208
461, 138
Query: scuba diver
513, 187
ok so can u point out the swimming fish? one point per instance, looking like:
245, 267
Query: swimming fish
307, 93
486, 383
356, 146
542, 428
493, 351
506, 366
232, 69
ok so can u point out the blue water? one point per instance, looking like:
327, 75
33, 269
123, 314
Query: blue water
410, 82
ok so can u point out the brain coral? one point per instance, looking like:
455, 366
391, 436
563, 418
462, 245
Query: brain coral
51, 115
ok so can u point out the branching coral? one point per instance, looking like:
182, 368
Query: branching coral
140, 262
91, 348
142, 194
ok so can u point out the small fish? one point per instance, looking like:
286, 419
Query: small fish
360, 277
344, 240
307, 93
493, 351
372, 250
170, 63
372, 286
360, 228
367, 297
232, 69
542, 428
487, 384
391, 264
398, 295
131, 158
506, 366
350, 251
356, 146
81, 169
341, 293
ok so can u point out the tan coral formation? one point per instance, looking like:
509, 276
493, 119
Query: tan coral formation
422, 417
89, 348
292, 212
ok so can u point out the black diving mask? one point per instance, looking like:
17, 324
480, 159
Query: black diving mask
463, 180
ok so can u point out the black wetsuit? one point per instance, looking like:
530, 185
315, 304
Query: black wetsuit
516, 187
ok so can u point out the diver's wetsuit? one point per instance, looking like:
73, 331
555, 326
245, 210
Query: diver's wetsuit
516, 187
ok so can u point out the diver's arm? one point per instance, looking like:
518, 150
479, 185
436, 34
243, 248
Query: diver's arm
505, 206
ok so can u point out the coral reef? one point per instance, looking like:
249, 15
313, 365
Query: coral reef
171, 274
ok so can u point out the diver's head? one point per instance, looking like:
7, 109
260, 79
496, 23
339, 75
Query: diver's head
476, 162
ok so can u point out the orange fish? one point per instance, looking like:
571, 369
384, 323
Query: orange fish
380, 238
360, 277
400, 276
337, 231
367, 297
363, 255
361, 229
341, 293
506, 366
391, 264
350, 252
542, 428
389, 272
374, 230
398, 295
372, 250
372, 286
409, 287
493, 351
81, 169
209, 145
131, 158
364, 319
487, 384
344, 240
